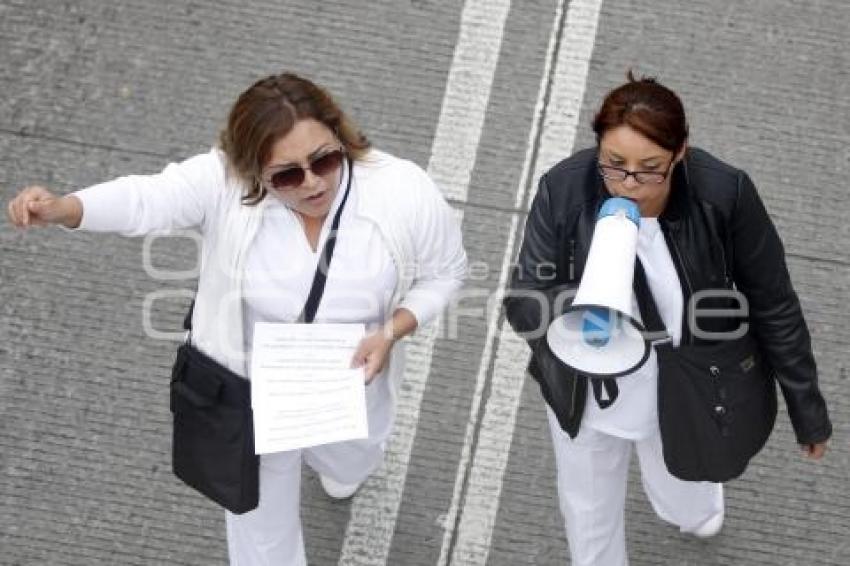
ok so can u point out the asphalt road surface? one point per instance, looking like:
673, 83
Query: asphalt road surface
485, 95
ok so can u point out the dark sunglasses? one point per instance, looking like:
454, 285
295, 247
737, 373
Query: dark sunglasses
292, 177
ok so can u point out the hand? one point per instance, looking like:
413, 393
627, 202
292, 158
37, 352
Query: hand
37, 206
372, 354
814, 451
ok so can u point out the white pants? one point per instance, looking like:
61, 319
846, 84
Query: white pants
592, 476
270, 535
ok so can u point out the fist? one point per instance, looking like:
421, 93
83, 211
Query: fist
36, 206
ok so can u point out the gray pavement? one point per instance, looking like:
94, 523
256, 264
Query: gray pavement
92, 90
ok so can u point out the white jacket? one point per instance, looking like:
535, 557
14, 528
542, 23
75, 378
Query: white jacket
420, 230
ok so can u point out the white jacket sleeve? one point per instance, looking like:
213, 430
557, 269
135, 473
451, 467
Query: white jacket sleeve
440, 260
182, 196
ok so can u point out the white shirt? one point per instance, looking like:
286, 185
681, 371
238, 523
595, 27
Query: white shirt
280, 266
634, 415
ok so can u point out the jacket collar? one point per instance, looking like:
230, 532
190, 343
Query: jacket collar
679, 193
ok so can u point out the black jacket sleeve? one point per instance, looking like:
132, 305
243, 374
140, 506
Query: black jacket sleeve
535, 275
539, 285
760, 272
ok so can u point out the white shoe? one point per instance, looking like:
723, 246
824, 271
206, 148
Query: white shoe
711, 527
338, 490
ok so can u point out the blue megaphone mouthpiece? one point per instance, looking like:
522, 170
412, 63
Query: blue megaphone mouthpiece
620, 205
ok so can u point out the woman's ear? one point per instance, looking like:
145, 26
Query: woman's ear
681, 153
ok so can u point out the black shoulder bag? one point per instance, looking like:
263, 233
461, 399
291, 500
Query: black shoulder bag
213, 437
716, 402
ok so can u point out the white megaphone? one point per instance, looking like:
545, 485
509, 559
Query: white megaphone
598, 334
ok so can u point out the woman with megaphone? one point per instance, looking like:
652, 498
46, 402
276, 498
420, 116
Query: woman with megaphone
679, 320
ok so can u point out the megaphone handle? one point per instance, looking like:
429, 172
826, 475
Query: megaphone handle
611, 388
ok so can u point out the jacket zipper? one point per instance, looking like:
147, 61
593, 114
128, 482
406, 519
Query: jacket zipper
571, 276
573, 397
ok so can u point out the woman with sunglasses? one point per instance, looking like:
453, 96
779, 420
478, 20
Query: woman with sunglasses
288, 161
691, 204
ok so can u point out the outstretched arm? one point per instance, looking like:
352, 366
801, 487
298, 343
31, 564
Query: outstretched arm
181, 196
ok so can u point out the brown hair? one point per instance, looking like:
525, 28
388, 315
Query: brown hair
649, 108
267, 111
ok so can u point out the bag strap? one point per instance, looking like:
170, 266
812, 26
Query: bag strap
317, 289
646, 304
320, 278
606, 390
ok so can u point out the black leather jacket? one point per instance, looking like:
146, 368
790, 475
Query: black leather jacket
719, 235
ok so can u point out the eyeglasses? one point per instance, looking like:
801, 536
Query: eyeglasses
642, 177
293, 177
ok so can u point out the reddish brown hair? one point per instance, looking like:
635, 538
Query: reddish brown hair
649, 108
266, 112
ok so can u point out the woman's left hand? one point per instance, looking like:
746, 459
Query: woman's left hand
814, 451
372, 353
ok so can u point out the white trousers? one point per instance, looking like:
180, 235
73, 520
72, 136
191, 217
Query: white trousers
592, 476
270, 535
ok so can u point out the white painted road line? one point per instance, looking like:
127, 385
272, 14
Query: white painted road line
493, 315
455, 146
480, 504
375, 508
570, 81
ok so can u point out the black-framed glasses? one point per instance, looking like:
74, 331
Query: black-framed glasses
642, 177
292, 177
